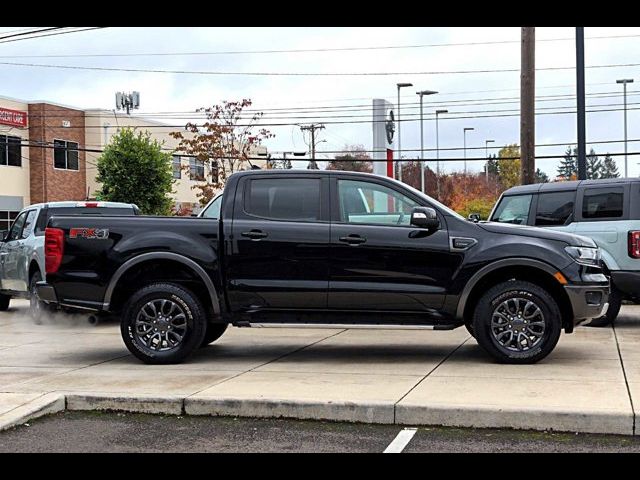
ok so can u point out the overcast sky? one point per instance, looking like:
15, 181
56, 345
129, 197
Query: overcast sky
479, 94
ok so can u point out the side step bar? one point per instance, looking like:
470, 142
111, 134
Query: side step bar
346, 326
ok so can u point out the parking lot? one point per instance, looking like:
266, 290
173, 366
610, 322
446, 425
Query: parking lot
588, 384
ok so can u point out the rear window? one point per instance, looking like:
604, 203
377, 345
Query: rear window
513, 209
295, 199
46, 214
554, 209
603, 203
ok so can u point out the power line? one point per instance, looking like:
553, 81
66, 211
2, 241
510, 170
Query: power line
51, 34
299, 74
31, 32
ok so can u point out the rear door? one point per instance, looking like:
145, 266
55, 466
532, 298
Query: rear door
13, 256
277, 254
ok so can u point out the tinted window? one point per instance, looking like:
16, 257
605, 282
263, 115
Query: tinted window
603, 203
65, 155
554, 208
29, 223
366, 202
16, 228
513, 209
10, 151
213, 210
284, 199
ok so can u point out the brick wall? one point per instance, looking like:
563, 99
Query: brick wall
49, 184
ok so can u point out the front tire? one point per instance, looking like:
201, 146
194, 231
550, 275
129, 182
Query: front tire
4, 302
36, 306
615, 303
517, 322
163, 323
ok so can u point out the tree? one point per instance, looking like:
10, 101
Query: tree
609, 168
492, 166
354, 158
226, 140
130, 161
481, 206
541, 177
594, 165
568, 168
509, 165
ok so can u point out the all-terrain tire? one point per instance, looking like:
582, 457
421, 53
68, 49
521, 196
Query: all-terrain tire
163, 323
615, 302
517, 322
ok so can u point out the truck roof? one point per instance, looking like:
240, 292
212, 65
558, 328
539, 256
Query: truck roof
280, 171
564, 186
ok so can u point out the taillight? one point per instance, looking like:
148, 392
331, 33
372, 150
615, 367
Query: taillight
53, 249
634, 244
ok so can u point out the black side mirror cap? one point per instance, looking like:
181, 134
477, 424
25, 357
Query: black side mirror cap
425, 217
474, 217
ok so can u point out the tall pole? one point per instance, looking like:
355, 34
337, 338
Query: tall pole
486, 154
312, 128
438, 112
582, 152
400, 85
465, 130
422, 162
527, 105
624, 84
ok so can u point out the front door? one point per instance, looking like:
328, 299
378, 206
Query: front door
12, 256
378, 260
277, 257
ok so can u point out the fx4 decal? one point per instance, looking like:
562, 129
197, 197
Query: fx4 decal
89, 233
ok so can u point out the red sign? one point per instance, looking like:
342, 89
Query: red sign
15, 118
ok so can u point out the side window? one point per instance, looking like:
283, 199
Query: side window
366, 202
603, 203
294, 199
16, 228
213, 210
513, 209
29, 224
555, 209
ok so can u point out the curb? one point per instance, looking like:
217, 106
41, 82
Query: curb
129, 403
45, 405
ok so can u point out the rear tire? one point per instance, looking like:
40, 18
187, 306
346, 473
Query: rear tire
4, 302
615, 302
517, 322
37, 307
214, 332
163, 323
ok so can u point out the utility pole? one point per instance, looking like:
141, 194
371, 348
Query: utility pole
582, 150
527, 105
312, 128
624, 83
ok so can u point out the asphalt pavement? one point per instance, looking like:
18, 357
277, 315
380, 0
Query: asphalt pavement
126, 432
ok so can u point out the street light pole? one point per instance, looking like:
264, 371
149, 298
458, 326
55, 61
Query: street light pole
624, 84
438, 112
400, 85
422, 165
486, 154
465, 130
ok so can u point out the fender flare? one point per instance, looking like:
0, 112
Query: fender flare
162, 256
507, 262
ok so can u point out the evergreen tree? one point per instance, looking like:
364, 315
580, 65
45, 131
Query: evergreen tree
609, 168
594, 166
568, 167
541, 177
492, 166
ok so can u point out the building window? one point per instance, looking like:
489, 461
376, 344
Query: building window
215, 178
177, 166
10, 151
7, 218
65, 155
196, 169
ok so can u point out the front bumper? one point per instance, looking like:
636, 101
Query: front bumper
46, 292
588, 301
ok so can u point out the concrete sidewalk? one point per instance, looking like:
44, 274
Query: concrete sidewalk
588, 384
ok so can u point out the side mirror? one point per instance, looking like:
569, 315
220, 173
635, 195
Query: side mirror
474, 217
425, 217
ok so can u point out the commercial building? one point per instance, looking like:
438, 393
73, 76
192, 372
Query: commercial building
45, 154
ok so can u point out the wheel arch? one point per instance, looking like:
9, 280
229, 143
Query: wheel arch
526, 269
184, 264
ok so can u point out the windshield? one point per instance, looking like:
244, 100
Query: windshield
213, 209
513, 209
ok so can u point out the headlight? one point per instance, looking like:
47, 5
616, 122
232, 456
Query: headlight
585, 255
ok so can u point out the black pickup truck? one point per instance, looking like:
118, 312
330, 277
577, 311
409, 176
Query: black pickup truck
324, 249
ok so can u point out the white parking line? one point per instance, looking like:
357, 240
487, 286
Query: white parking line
401, 441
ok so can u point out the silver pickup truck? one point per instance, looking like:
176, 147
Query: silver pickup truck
22, 261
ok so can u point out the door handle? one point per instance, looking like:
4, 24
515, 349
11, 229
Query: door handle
254, 234
353, 239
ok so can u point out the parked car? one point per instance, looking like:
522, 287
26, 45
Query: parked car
608, 211
22, 257
324, 249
